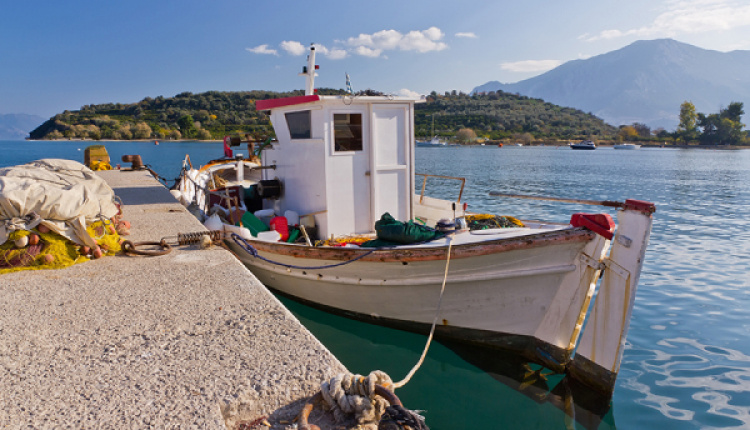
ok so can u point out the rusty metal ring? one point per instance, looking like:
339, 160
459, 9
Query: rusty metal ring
129, 248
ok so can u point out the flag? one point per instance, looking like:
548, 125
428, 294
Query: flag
348, 85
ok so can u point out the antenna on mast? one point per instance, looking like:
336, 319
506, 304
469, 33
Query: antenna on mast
309, 72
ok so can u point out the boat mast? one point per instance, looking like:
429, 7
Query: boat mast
309, 72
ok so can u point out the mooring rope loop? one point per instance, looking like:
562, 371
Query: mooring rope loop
416, 367
349, 394
254, 252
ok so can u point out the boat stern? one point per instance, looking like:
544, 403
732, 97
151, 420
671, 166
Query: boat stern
599, 353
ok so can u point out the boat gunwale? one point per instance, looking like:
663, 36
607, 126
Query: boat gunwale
410, 254
230, 162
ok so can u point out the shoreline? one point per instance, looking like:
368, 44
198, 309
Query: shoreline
643, 145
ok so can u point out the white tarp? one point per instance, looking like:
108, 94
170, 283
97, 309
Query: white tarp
64, 195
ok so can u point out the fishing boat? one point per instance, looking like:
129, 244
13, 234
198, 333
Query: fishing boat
342, 170
586, 144
626, 146
220, 183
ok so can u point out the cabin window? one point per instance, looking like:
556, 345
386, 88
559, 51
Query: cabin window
347, 131
299, 124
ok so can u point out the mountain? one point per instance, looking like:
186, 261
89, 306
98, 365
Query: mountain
17, 125
644, 82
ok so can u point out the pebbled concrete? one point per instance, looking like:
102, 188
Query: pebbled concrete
186, 340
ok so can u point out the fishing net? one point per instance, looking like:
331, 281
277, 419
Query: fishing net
55, 213
487, 221
49, 250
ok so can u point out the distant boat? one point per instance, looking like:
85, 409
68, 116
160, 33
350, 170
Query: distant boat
627, 146
586, 144
435, 141
156, 142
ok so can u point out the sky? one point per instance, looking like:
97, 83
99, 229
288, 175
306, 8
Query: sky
62, 55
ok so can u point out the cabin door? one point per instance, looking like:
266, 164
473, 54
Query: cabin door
391, 155
349, 176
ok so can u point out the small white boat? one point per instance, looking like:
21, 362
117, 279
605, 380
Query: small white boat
626, 146
219, 184
586, 144
435, 141
342, 162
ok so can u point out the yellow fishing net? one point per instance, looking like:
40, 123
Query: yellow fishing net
49, 250
344, 240
484, 221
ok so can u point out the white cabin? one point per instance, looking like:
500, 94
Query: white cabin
345, 159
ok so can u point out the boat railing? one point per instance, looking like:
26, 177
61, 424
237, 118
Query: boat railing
427, 176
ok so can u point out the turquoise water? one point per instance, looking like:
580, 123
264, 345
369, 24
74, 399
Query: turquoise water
687, 361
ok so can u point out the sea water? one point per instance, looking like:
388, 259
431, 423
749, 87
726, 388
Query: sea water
687, 360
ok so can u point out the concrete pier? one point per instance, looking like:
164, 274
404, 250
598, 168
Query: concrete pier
186, 340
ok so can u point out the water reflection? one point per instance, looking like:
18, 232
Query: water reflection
581, 404
717, 378
460, 386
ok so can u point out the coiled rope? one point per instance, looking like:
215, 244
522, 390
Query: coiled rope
348, 394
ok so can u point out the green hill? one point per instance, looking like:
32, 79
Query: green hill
499, 115
214, 114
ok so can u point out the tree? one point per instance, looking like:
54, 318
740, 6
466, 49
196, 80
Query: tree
627, 132
187, 125
642, 129
724, 128
525, 138
731, 123
466, 135
687, 129
142, 131
734, 112
204, 134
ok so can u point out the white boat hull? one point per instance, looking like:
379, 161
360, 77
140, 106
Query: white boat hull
530, 294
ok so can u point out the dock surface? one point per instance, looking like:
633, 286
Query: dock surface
188, 340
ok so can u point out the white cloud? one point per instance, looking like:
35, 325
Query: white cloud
332, 54
531, 65
468, 35
337, 54
262, 49
293, 47
404, 92
367, 52
373, 45
687, 17
370, 45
